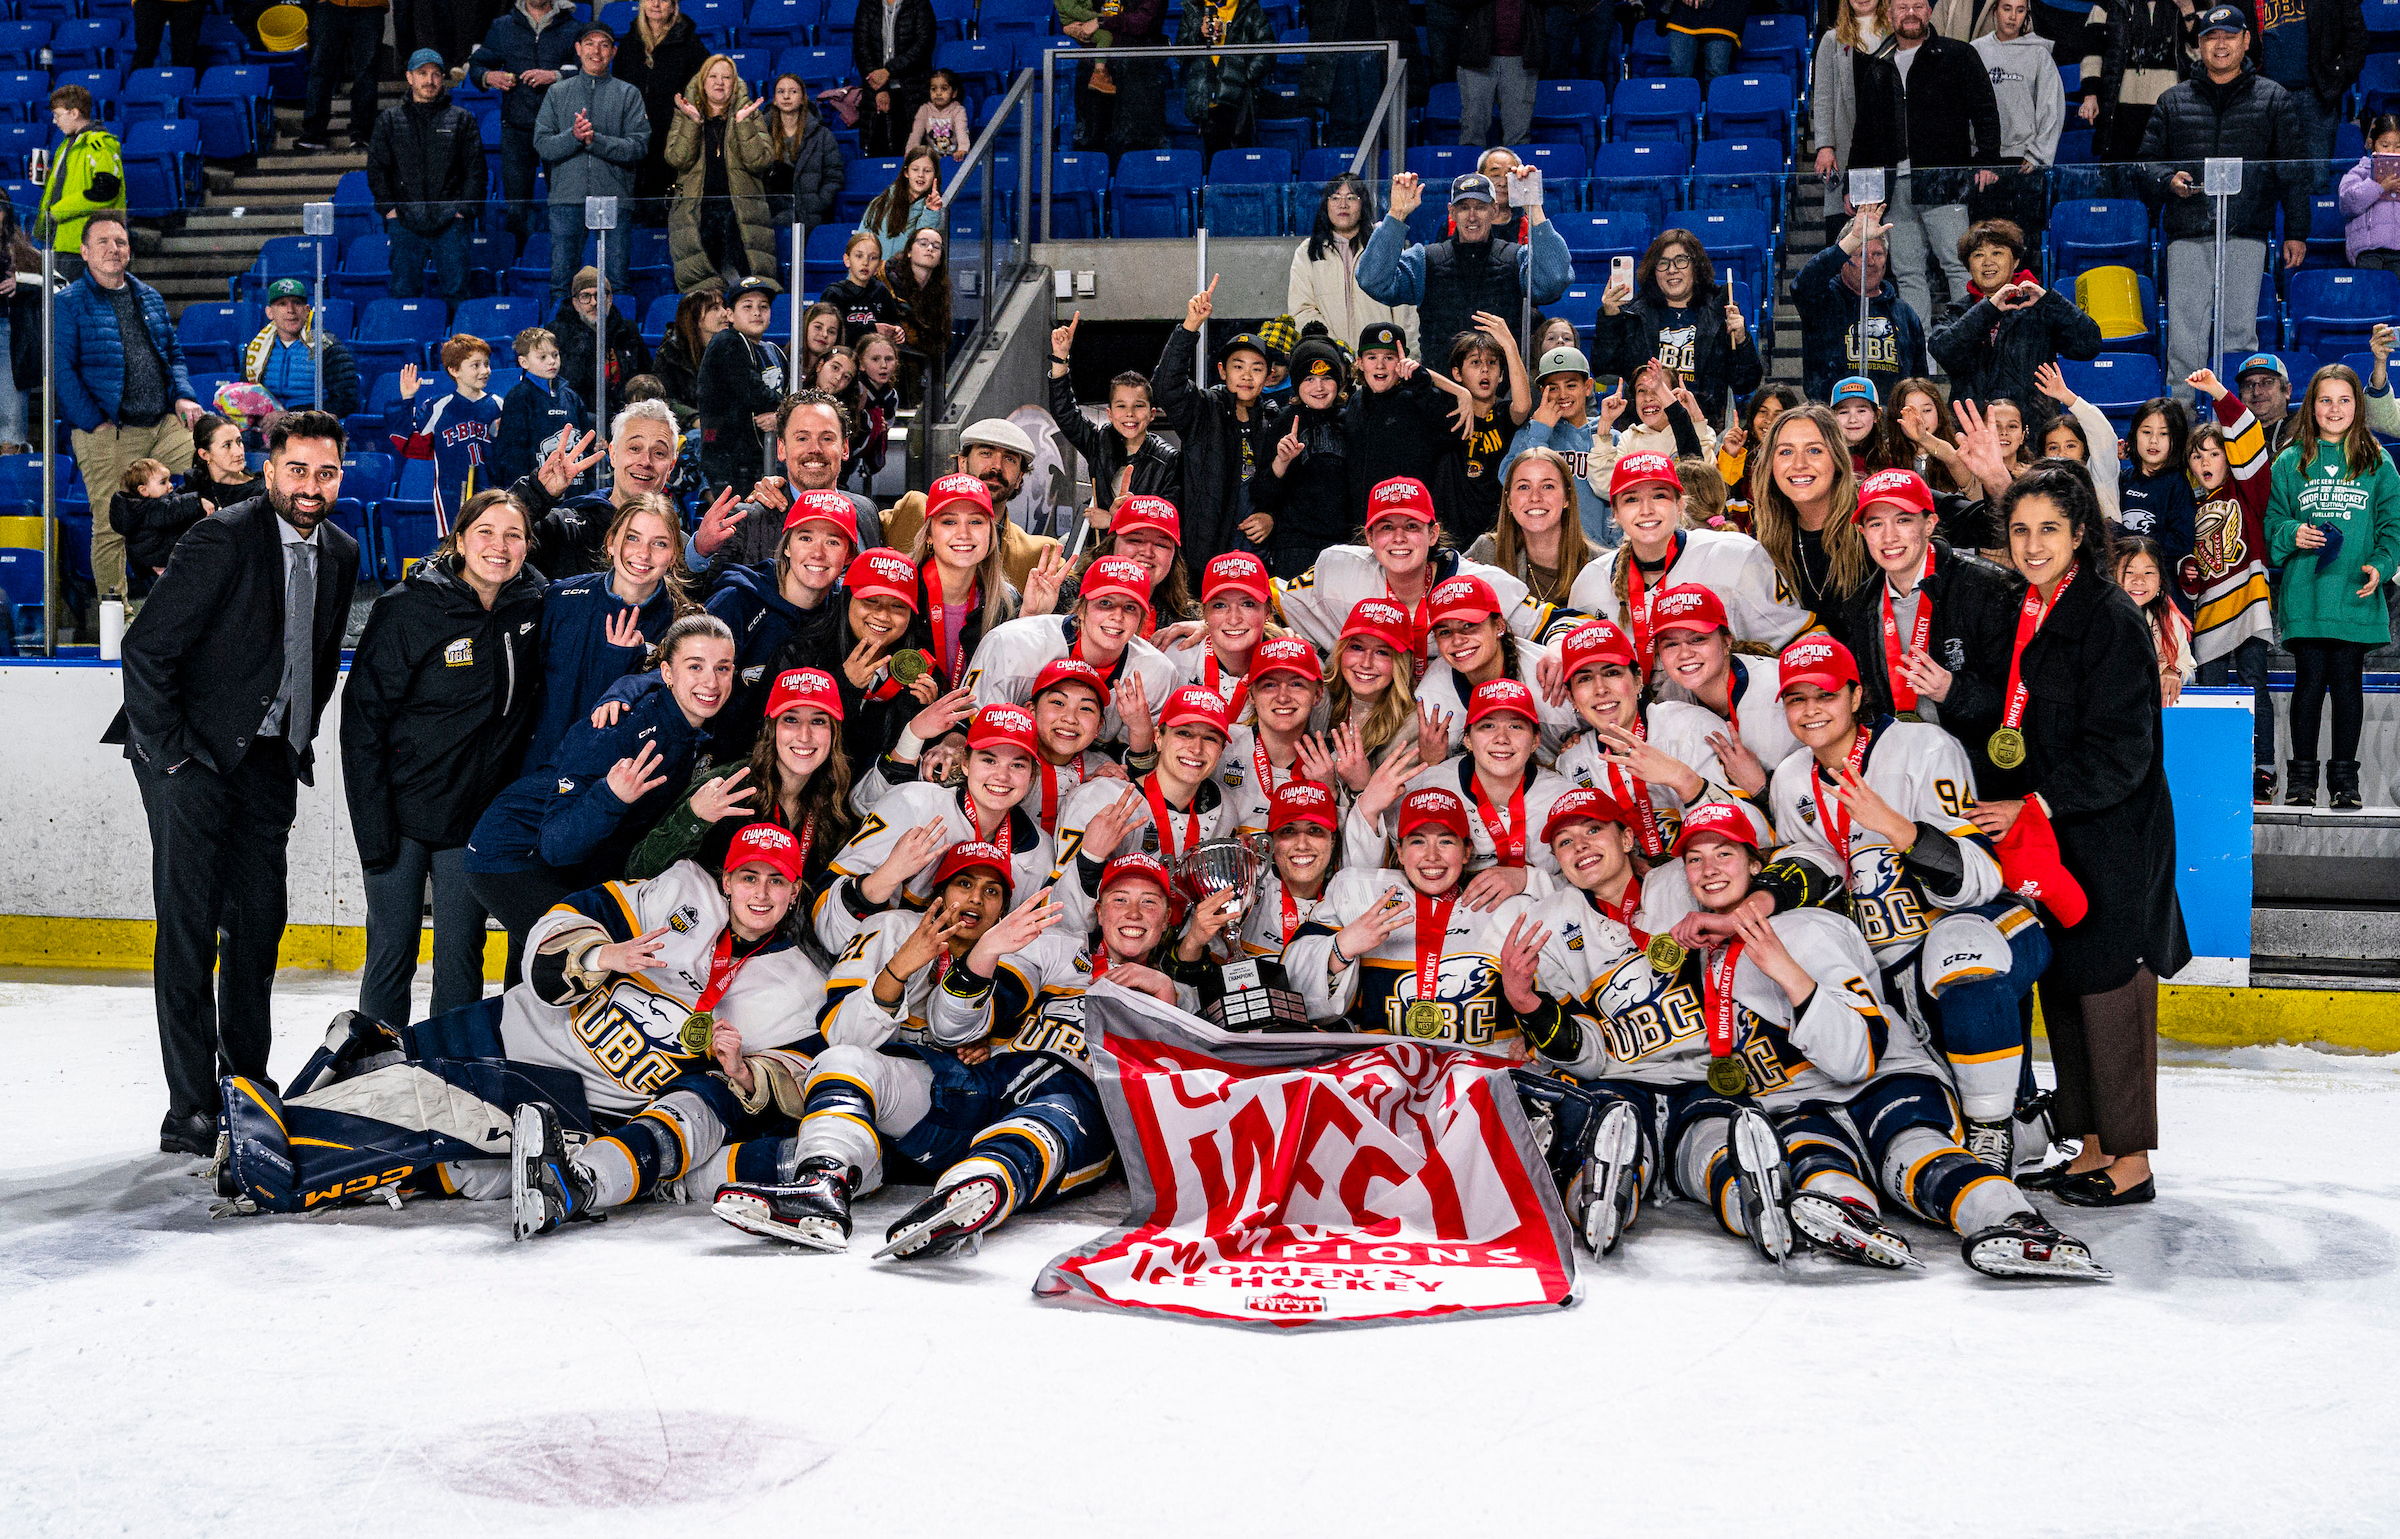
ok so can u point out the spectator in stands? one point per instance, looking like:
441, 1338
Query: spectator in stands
1499, 60
1826, 293
1576, 41
1220, 91
1324, 282
2154, 494
879, 403
1398, 422
220, 474
87, 174
2033, 110
122, 385
575, 325
920, 283
913, 202
805, 176
2370, 199
1567, 423
2140, 569
1937, 118
1858, 46
279, 356
1307, 488
741, 382
425, 170
941, 121
1499, 397
1677, 312
864, 300
1702, 36
2137, 49
1119, 103
20, 330
2227, 109
996, 452
2265, 386
2314, 49
541, 410
434, 715
1733, 449
451, 28
1123, 457
2013, 326
592, 133
811, 437
1450, 280
154, 20
345, 38
253, 610
568, 525
698, 319
1224, 429
454, 428
891, 41
1345, 86
522, 57
662, 51
150, 516
718, 150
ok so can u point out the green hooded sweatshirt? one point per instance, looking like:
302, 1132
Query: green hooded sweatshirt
2319, 599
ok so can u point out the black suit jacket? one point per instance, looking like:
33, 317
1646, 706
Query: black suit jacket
205, 656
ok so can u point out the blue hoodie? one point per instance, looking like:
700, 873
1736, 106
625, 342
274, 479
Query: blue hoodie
750, 603
564, 818
578, 664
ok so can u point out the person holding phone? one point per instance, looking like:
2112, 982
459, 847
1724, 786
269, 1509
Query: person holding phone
1676, 311
2370, 198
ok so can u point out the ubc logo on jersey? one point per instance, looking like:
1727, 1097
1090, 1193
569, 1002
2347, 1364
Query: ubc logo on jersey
750, 675
459, 653
566, 787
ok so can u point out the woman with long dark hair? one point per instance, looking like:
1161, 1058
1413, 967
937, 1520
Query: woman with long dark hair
699, 316
804, 175
920, 280
913, 202
1677, 312
1324, 283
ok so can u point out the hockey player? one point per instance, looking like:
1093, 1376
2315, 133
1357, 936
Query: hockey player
1881, 807
1621, 583
1009, 1125
1285, 687
1303, 853
1401, 561
1112, 613
1693, 660
891, 857
1236, 603
1371, 698
1170, 811
1654, 759
1506, 790
1473, 647
1070, 703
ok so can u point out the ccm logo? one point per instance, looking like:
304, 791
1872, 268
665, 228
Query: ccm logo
1285, 1304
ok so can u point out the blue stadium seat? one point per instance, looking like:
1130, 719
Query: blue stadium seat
657, 318
283, 256
717, 20
754, 66
1152, 195
1656, 109
1646, 177
1013, 19
1436, 164
151, 94
366, 271
1751, 107
162, 164
823, 256
1243, 208
1250, 166
1078, 181
983, 65
2383, 20
1594, 239
88, 43
781, 24
2326, 245
394, 332
24, 95
1567, 112
1739, 173
1324, 163
2379, 83
2116, 383
2335, 311
354, 207
861, 181
232, 104
1441, 109
2099, 232
1778, 40
1647, 59
1295, 136
1559, 162
1738, 240
1579, 305
498, 320
951, 18
21, 43
213, 334
821, 67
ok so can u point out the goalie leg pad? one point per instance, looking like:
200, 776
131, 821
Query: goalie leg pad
354, 1044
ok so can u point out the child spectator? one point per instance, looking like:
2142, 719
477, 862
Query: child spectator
152, 515
2370, 198
1705, 497
2077, 429
1566, 422
1306, 487
1398, 424
2154, 498
1733, 450
1858, 412
879, 403
941, 124
1667, 421
2141, 572
864, 302
913, 202
454, 429
741, 382
1483, 362
1124, 458
539, 407
699, 317
2233, 612
820, 333
1224, 429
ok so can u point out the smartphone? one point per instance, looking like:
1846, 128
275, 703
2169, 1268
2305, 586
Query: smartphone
1620, 270
1866, 186
1526, 191
2385, 165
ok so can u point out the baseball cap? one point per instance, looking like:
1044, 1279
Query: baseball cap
1855, 388
1434, 806
1903, 487
1717, 820
1285, 654
957, 487
1145, 512
767, 845
1245, 341
1301, 801
2262, 363
1137, 866
883, 573
590, 27
1197, 703
286, 288
1002, 726
1583, 804
825, 507
1116, 576
1501, 697
1400, 494
1383, 621
1687, 607
1818, 660
804, 686
1236, 571
1592, 643
749, 286
2222, 18
1563, 360
1385, 335
1461, 598
975, 855
997, 433
1632, 470
1069, 670
425, 56
1474, 186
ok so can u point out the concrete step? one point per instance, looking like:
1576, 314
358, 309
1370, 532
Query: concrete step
2313, 855
2329, 931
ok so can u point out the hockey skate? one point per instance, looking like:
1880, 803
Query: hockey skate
814, 1210
545, 1187
1994, 1143
1762, 1185
1612, 1180
1846, 1228
2027, 1246
951, 1221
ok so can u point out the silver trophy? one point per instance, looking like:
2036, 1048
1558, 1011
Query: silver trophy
1214, 865
1250, 994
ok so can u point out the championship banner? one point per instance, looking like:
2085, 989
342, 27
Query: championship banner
1313, 1179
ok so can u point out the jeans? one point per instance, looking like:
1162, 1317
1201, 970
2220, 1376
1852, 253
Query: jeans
1508, 81
411, 251
566, 248
2191, 298
395, 908
2248, 664
1702, 58
12, 400
518, 166
1920, 231
343, 42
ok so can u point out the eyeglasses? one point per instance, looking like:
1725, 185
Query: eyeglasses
1679, 262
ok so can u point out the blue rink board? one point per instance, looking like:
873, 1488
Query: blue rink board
2208, 772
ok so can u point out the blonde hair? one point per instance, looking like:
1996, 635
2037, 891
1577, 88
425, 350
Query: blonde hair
1391, 715
678, 578
696, 91
1775, 523
991, 573
1508, 541
1845, 23
1704, 492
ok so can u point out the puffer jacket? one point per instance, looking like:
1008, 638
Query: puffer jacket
812, 176
659, 74
1691, 338
91, 356
1224, 80
425, 160
1990, 354
2371, 216
748, 152
2249, 116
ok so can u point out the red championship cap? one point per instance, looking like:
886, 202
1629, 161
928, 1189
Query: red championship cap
1384, 621
949, 491
1501, 697
883, 573
1818, 660
1119, 577
1301, 801
1198, 703
1583, 804
975, 855
1236, 571
1461, 598
1687, 607
1002, 726
766, 845
1715, 820
1632, 470
1905, 488
1401, 494
1286, 654
804, 686
1137, 866
824, 507
1069, 670
1155, 514
1434, 806
1593, 642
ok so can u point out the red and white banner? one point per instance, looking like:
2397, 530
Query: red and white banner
1305, 1179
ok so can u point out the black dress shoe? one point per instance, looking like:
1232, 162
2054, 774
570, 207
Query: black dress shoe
188, 1133
2049, 1178
2093, 1189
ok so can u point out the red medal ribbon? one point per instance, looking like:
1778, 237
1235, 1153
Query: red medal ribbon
1639, 595
1211, 673
1291, 910
2030, 616
1832, 816
1167, 844
1904, 695
723, 968
1737, 679
1420, 621
1623, 913
949, 668
1508, 837
1264, 765
1433, 925
1716, 990
1633, 794
1099, 963
1049, 793
1001, 836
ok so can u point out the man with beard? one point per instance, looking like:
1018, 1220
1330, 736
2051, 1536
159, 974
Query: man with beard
1936, 128
996, 452
227, 671
811, 441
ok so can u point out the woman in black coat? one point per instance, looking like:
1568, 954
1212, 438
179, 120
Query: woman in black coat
441, 696
893, 74
656, 56
2094, 766
1677, 312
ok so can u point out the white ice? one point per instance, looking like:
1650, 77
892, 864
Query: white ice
418, 1373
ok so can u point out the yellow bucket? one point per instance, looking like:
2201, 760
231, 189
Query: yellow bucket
283, 29
2112, 297
21, 531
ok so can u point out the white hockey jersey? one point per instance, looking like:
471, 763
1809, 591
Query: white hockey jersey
1034, 1002
1210, 817
1316, 602
1014, 653
903, 808
856, 1018
622, 1039
1245, 793
1757, 709
1440, 690
1758, 604
1263, 919
1680, 731
1367, 845
1374, 992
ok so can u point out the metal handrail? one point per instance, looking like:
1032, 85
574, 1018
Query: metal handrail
1391, 113
979, 160
1392, 72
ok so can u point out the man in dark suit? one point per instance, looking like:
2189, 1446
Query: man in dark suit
227, 671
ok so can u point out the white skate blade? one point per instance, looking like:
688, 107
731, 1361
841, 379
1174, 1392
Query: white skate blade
969, 1204
524, 1147
1758, 1163
751, 1216
2003, 1255
1827, 1222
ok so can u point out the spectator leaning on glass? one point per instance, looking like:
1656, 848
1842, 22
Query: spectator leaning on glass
425, 170
1935, 129
1472, 270
591, 134
1677, 312
659, 54
522, 57
891, 42
2226, 110
2314, 49
279, 357
344, 39
2013, 326
1324, 282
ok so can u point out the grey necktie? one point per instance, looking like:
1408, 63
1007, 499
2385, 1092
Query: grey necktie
299, 641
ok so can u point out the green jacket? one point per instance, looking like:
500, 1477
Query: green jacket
679, 834
87, 176
2317, 599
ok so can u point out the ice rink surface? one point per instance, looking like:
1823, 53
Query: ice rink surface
418, 1373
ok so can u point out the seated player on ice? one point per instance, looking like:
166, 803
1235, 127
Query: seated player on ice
1652, 756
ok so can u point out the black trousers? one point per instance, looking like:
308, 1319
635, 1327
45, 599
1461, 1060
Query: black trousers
2105, 1049
518, 899
153, 19
2327, 670
217, 860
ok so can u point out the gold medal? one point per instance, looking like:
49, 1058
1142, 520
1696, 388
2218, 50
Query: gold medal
1911, 715
1665, 952
698, 1029
2007, 747
1424, 1019
909, 665
1726, 1076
